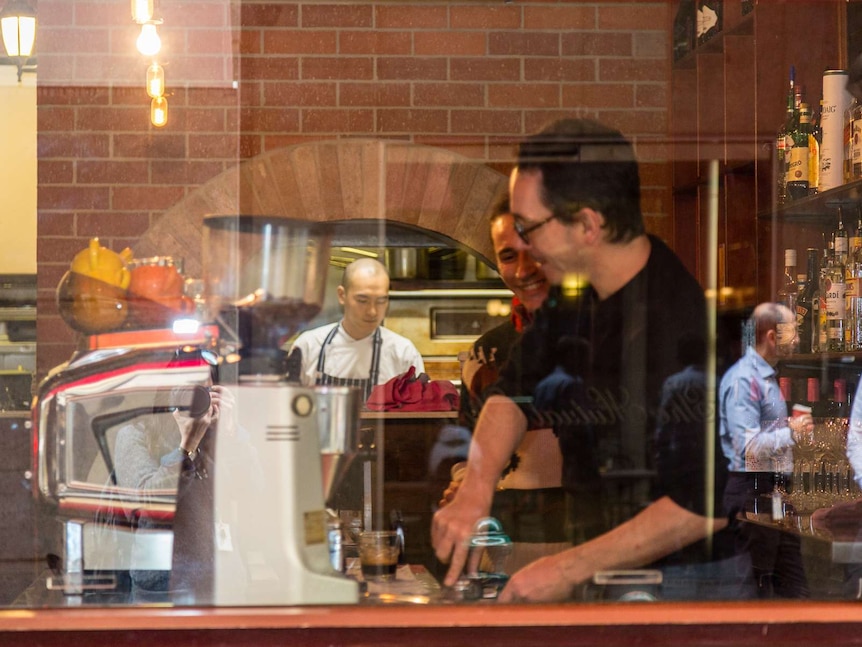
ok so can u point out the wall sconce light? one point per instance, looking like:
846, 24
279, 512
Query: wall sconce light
142, 11
148, 42
159, 112
18, 25
155, 80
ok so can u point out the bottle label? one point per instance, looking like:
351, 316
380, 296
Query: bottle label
840, 245
797, 168
835, 300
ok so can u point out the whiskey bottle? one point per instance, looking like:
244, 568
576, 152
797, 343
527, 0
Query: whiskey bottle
788, 339
798, 179
782, 145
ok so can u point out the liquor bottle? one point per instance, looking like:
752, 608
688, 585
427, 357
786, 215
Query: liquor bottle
834, 287
853, 298
788, 340
822, 341
797, 165
808, 306
837, 406
814, 151
782, 146
813, 397
855, 241
853, 143
840, 239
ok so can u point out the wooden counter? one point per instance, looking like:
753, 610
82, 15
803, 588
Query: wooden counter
716, 624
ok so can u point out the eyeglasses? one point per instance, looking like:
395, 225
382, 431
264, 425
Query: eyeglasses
524, 230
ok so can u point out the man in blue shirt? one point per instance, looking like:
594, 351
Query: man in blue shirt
757, 438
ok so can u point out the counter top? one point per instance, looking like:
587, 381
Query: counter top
408, 415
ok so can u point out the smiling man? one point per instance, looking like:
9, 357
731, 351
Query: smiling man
575, 197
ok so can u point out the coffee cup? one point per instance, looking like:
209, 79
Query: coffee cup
378, 555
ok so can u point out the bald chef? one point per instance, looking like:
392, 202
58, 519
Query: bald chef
357, 351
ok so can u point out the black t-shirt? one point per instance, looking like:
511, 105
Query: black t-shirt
621, 450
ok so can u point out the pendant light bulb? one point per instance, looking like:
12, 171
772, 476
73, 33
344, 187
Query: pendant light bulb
155, 80
159, 111
149, 42
142, 11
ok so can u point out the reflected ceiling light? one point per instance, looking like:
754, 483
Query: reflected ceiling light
142, 11
148, 42
155, 80
159, 112
18, 25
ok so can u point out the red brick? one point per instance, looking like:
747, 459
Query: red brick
202, 120
336, 15
410, 16
584, 43
155, 145
394, 120
448, 94
55, 224
224, 96
635, 121
212, 146
209, 41
79, 145
275, 142
300, 41
269, 15
485, 69
128, 96
486, 121
156, 198
651, 95
73, 197
343, 67
524, 43
59, 249
374, 43
653, 15
337, 121
535, 120
250, 146
250, 42
115, 119
526, 95
49, 277
559, 69
268, 119
485, 17
91, 14
299, 94
210, 70
75, 41
127, 225
651, 44
630, 69
111, 172
411, 69
374, 94
57, 96
51, 172
449, 43
598, 95
193, 15
55, 119
269, 67
571, 16
184, 172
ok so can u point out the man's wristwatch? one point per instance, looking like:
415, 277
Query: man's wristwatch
187, 453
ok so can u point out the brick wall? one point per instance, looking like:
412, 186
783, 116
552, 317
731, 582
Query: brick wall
250, 77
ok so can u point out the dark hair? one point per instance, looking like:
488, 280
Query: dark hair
501, 208
586, 164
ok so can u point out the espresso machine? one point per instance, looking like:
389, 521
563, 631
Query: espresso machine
280, 448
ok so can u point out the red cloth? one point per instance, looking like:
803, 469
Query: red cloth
411, 392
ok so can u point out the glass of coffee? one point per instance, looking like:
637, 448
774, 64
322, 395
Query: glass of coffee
378, 555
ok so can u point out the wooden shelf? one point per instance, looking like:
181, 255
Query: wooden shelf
820, 207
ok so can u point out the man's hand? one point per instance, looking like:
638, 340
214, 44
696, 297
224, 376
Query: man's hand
802, 429
539, 581
452, 528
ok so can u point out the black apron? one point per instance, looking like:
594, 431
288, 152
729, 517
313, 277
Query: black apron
322, 379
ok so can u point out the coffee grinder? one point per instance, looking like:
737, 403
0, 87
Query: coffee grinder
280, 448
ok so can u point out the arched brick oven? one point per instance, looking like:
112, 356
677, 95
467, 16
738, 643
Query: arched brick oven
435, 189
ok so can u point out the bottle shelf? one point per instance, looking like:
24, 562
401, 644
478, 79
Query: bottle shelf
818, 207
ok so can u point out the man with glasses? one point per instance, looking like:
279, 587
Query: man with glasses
575, 196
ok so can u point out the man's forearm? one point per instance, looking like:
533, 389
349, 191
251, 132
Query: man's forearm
499, 430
